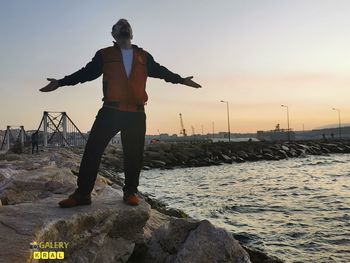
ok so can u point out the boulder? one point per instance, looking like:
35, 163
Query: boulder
31, 185
192, 241
285, 148
225, 158
105, 231
158, 163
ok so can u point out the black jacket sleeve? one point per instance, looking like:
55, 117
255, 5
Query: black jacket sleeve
91, 71
155, 70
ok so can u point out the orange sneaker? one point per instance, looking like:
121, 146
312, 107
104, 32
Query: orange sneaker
75, 199
131, 198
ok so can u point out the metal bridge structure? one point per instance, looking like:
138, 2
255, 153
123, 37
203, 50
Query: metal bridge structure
56, 129
13, 134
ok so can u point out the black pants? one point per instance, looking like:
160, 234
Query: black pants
108, 122
35, 145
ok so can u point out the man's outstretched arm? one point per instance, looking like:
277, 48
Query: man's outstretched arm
155, 70
91, 71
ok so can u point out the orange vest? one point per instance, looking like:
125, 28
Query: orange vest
119, 91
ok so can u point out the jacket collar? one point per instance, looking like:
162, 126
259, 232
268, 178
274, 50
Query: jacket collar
116, 45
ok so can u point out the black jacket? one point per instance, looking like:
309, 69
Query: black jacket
93, 70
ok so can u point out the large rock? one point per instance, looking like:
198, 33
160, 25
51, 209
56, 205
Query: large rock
189, 240
105, 231
25, 186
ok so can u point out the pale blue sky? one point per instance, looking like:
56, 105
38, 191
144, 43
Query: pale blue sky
256, 54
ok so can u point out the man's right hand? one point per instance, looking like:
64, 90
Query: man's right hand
51, 86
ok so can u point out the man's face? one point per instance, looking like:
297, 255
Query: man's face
122, 32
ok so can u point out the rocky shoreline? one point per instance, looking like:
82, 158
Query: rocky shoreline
164, 155
106, 231
256, 256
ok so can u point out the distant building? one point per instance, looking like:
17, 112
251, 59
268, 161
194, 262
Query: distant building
327, 133
277, 134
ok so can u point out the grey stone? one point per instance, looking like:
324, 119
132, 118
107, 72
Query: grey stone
105, 231
192, 241
90, 230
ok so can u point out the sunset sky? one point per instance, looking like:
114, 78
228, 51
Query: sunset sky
255, 54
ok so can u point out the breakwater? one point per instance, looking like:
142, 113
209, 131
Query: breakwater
173, 155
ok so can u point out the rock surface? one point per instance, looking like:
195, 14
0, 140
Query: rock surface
105, 231
185, 240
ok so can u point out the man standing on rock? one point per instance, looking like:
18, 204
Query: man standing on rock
125, 68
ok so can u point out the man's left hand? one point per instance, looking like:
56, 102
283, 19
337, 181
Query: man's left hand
189, 82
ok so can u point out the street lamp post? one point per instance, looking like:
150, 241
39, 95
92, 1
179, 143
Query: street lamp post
228, 120
338, 110
213, 128
287, 120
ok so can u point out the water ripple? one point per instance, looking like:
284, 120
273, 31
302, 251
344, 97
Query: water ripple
297, 209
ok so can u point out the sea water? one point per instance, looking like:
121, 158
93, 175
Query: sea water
297, 209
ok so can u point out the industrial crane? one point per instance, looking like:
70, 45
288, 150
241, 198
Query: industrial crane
183, 131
